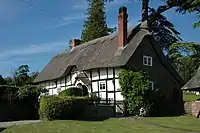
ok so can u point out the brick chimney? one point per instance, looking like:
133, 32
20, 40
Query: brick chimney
75, 42
122, 27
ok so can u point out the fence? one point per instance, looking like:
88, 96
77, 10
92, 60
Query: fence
116, 106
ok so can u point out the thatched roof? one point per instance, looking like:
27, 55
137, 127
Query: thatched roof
99, 53
194, 82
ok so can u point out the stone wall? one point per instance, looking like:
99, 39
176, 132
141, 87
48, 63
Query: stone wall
192, 108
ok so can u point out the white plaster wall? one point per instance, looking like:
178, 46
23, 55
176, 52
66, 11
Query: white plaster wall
102, 95
74, 75
89, 88
110, 85
62, 81
63, 88
95, 86
110, 72
103, 74
117, 86
95, 75
119, 96
47, 85
50, 92
68, 80
55, 91
58, 83
117, 70
111, 95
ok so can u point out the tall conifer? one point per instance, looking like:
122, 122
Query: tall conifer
95, 26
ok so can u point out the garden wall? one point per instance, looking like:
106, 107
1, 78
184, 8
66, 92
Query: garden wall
192, 108
99, 111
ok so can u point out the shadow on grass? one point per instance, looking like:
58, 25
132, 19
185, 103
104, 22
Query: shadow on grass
1, 129
101, 118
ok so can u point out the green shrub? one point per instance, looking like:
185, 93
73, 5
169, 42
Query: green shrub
134, 86
56, 107
73, 91
137, 94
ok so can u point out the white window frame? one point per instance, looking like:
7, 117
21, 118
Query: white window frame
148, 59
151, 85
102, 83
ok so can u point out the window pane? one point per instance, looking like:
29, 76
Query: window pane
102, 85
150, 61
145, 60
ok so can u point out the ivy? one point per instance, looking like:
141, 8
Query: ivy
134, 85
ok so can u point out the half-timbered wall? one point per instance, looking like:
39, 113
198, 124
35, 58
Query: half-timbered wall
104, 83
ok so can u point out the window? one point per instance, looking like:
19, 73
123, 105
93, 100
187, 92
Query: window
102, 85
151, 85
147, 60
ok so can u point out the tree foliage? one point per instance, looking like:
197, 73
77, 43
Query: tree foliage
163, 31
2, 81
19, 103
185, 56
21, 75
9, 81
95, 26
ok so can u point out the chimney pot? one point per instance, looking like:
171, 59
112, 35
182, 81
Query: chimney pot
75, 42
122, 27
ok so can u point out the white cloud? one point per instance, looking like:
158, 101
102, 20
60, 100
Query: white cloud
80, 5
74, 17
33, 49
69, 20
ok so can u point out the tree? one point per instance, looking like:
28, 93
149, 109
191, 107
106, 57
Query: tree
32, 77
95, 26
21, 75
182, 6
2, 81
9, 81
185, 57
163, 31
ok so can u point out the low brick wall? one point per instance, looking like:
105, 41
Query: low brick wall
192, 108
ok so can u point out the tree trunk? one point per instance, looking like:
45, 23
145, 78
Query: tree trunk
145, 5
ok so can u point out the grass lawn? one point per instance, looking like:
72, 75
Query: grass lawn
190, 97
114, 125
187, 123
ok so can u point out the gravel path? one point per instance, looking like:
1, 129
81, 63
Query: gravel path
7, 124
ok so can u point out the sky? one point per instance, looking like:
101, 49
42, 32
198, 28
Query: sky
33, 33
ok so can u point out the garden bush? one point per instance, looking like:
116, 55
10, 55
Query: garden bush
138, 96
58, 108
134, 86
19, 103
74, 91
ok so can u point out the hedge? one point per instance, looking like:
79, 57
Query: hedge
19, 103
74, 91
59, 108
